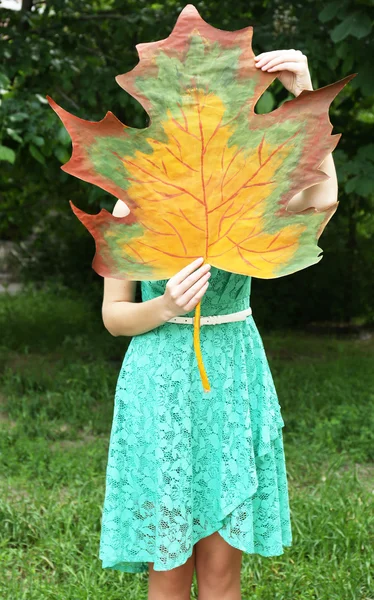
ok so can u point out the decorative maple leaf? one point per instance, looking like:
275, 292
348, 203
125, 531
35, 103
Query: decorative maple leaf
208, 177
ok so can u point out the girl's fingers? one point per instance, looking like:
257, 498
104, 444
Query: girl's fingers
282, 55
277, 61
271, 54
197, 297
262, 59
189, 280
194, 289
288, 66
187, 270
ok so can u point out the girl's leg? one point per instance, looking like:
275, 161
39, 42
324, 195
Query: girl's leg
218, 567
174, 584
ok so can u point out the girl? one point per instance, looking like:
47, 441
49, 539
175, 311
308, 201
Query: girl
195, 479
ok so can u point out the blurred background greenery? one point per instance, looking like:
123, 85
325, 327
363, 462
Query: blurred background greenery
58, 365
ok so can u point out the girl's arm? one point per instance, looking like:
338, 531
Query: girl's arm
321, 194
121, 314
292, 69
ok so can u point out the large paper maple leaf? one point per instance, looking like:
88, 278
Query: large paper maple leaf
208, 177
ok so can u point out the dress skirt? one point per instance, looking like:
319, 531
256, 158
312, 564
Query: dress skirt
184, 463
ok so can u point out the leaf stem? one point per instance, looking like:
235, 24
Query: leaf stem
197, 348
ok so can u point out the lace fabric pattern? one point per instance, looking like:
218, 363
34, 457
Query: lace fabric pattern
184, 463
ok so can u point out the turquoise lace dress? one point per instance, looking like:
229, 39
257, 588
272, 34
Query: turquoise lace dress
184, 463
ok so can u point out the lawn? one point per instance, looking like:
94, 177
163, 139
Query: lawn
58, 370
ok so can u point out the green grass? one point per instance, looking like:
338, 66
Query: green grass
58, 369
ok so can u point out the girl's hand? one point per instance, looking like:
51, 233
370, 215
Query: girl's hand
293, 66
186, 288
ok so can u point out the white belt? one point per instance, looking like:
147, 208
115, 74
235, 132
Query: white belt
215, 319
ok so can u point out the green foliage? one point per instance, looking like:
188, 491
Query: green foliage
357, 173
50, 254
41, 319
